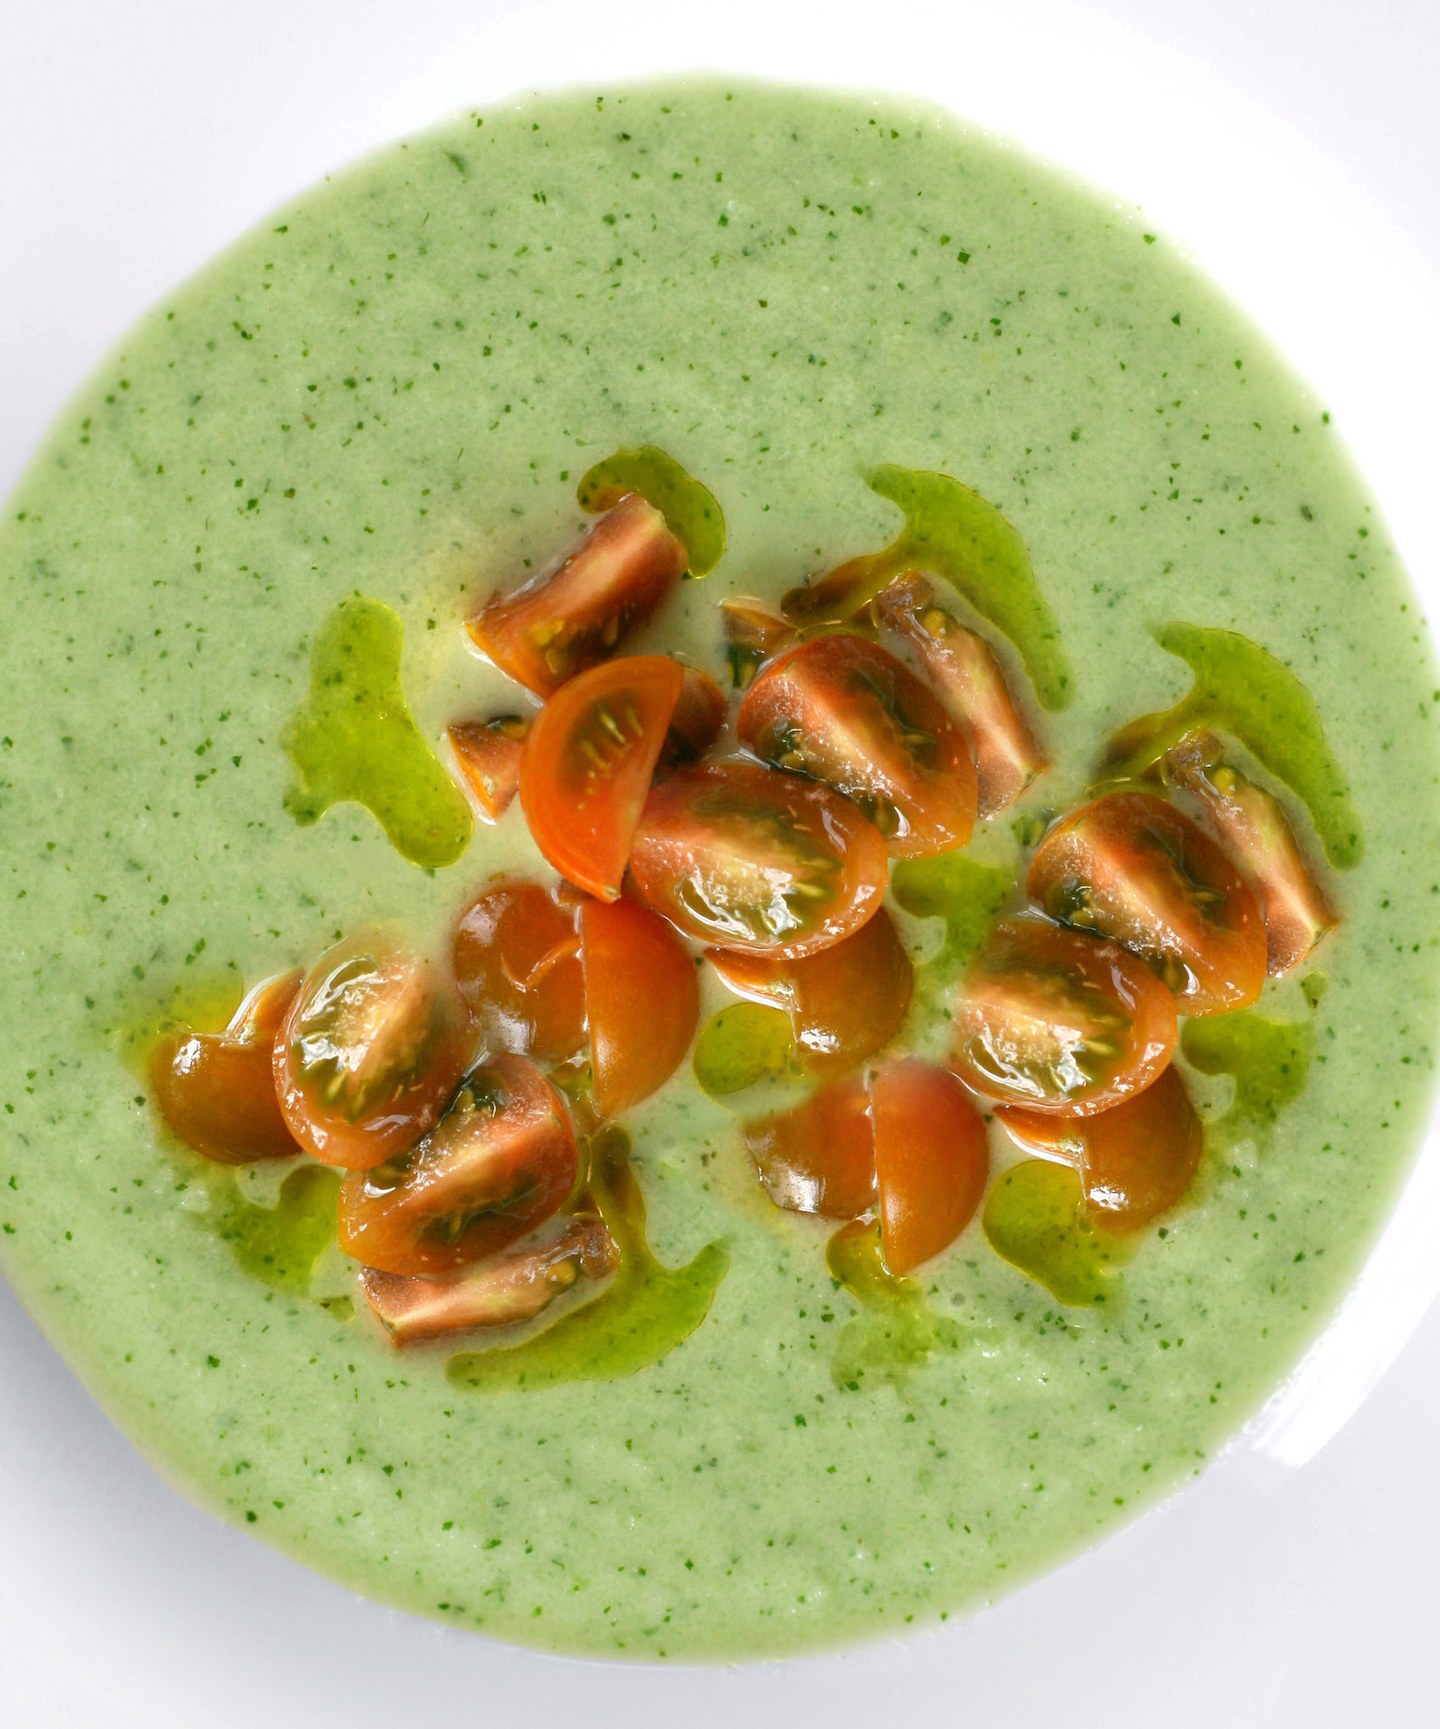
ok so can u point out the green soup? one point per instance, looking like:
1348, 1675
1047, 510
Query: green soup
393, 389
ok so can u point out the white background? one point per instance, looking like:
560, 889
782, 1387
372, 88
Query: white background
1294, 145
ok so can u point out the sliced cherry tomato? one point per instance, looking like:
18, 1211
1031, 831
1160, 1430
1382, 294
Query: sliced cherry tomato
642, 1001
932, 1158
753, 632
1135, 1161
1135, 869
487, 753
737, 854
574, 615
698, 720
217, 1090
844, 711
1060, 1021
369, 1053
1256, 833
498, 1163
820, 1156
961, 665
496, 1293
588, 763
844, 1003
517, 963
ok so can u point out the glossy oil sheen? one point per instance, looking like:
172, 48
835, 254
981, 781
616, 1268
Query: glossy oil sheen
393, 389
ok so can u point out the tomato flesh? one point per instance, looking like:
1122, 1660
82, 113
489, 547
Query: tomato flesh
1060, 1021
642, 1002
1131, 867
753, 632
819, 1157
846, 712
575, 615
216, 1091
370, 1051
1135, 1161
498, 1163
962, 667
698, 720
932, 1158
516, 956
1256, 833
588, 763
487, 753
844, 1003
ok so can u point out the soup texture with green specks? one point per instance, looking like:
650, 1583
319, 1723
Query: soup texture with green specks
392, 389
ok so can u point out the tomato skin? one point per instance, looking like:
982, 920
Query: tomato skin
588, 763
1059, 1021
498, 1163
753, 632
370, 1051
846, 712
642, 1002
818, 1158
1130, 867
698, 720
216, 1091
487, 754
736, 854
516, 955
845, 1003
1135, 1161
932, 1159
574, 615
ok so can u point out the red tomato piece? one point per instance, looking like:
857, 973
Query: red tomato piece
498, 1163
517, 963
698, 720
1135, 1161
753, 632
1060, 1021
369, 1053
932, 1158
574, 615
487, 753
1256, 833
217, 1090
844, 1003
588, 763
496, 1293
820, 1156
844, 711
736, 854
962, 667
1133, 868
642, 1002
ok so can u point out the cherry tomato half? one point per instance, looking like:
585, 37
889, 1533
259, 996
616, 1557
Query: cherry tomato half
487, 753
573, 616
642, 1001
517, 963
370, 1051
500, 1161
217, 1090
1135, 1161
753, 632
698, 720
588, 763
820, 1156
844, 711
844, 1003
932, 1158
1060, 1021
736, 854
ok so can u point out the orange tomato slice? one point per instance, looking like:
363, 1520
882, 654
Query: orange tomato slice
516, 955
642, 1001
487, 753
819, 1157
932, 1158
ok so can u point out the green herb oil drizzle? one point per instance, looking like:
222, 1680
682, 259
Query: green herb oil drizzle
691, 511
897, 1330
1035, 1219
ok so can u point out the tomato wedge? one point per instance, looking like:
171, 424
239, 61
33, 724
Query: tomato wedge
932, 1158
1133, 868
1256, 833
487, 753
588, 763
736, 854
961, 665
1135, 1161
497, 1293
844, 1003
1060, 1021
753, 632
698, 720
371, 1049
516, 956
820, 1156
846, 712
217, 1090
574, 615
498, 1163
642, 1001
